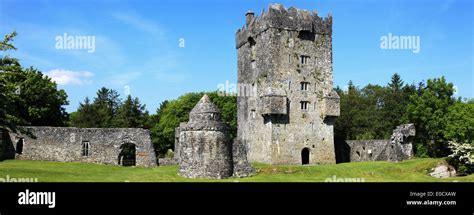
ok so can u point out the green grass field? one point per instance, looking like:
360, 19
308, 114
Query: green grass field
414, 170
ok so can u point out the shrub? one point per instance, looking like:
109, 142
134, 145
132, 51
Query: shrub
462, 157
169, 153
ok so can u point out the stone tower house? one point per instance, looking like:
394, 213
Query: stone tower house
286, 104
205, 148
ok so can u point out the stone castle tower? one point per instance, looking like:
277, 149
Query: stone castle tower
286, 103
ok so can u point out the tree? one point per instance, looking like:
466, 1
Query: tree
36, 98
159, 111
344, 123
459, 132
173, 112
85, 116
8, 117
396, 100
396, 84
427, 111
100, 113
131, 114
106, 105
108, 111
460, 123
372, 112
28, 97
462, 157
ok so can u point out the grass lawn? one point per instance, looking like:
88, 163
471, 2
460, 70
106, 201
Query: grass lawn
414, 170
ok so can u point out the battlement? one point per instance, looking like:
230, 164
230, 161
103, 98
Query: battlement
286, 55
279, 17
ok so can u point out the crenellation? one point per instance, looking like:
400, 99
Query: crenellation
283, 61
287, 118
279, 17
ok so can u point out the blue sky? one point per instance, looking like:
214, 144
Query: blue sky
137, 42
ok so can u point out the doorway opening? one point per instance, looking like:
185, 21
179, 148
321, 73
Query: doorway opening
127, 155
305, 156
19, 146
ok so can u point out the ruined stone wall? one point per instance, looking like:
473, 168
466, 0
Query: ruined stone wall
398, 148
6, 147
66, 144
277, 52
368, 150
241, 165
168, 161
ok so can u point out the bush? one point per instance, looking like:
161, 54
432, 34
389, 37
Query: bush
169, 154
171, 113
462, 157
421, 151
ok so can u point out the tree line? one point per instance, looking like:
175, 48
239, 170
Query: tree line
27, 97
372, 112
440, 119
107, 110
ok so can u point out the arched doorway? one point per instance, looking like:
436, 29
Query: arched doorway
19, 146
127, 155
305, 156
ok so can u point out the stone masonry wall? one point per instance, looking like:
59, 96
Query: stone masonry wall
65, 144
368, 150
285, 57
397, 148
205, 150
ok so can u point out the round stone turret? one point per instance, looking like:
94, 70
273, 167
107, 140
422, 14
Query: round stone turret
205, 147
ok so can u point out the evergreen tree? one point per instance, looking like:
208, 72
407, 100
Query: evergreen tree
85, 116
396, 100
106, 105
131, 114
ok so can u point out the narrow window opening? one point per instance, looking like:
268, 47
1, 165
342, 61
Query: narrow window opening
304, 105
304, 86
304, 59
252, 113
85, 148
307, 35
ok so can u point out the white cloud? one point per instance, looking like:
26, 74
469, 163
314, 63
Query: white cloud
68, 77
